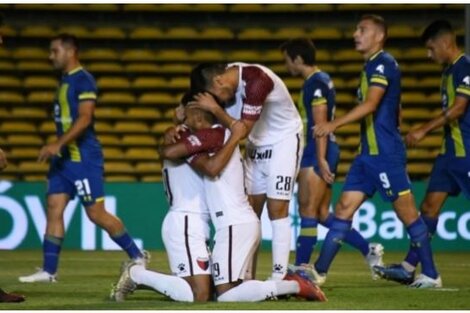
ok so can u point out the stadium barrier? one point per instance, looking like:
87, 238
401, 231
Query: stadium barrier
142, 207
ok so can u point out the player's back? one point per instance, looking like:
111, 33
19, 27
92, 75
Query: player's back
279, 117
225, 194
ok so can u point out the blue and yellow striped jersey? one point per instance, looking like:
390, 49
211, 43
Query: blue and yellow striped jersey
76, 86
380, 131
456, 83
318, 89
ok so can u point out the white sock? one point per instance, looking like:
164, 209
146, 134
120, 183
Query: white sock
172, 286
255, 290
280, 247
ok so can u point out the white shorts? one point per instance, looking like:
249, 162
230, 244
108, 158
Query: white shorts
234, 248
273, 169
185, 236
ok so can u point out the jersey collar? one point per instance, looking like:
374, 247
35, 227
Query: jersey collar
75, 70
313, 73
458, 58
375, 54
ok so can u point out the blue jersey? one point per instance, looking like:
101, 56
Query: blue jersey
76, 86
456, 82
380, 133
318, 89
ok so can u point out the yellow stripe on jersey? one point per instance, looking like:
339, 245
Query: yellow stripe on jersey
87, 96
380, 79
464, 90
455, 130
404, 192
369, 120
303, 115
319, 101
101, 199
66, 121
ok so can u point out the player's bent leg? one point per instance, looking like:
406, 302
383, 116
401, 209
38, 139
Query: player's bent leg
201, 287
430, 208
348, 204
418, 232
115, 228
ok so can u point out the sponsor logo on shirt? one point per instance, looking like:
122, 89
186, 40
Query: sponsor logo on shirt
263, 155
194, 141
251, 109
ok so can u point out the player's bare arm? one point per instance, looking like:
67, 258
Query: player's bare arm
212, 165
374, 96
85, 118
320, 116
454, 112
207, 102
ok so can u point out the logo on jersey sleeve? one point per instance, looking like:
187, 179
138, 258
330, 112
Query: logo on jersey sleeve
252, 109
317, 93
466, 80
380, 69
194, 141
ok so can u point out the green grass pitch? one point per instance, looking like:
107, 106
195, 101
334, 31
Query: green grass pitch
85, 279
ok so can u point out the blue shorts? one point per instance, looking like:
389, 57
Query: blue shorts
450, 174
384, 174
76, 178
309, 157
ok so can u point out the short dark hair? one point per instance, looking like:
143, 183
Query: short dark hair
377, 20
303, 47
68, 39
202, 75
436, 29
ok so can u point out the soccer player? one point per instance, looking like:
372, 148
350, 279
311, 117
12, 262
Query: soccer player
321, 155
450, 174
259, 98
185, 233
237, 228
76, 166
381, 163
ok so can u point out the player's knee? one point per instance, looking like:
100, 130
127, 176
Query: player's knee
201, 294
343, 210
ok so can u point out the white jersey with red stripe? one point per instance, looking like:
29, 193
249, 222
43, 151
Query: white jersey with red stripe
263, 97
184, 187
225, 194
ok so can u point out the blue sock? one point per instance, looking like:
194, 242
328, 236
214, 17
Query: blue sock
333, 241
420, 240
51, 250
306, 240
353, 237
412, 256
127, 244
